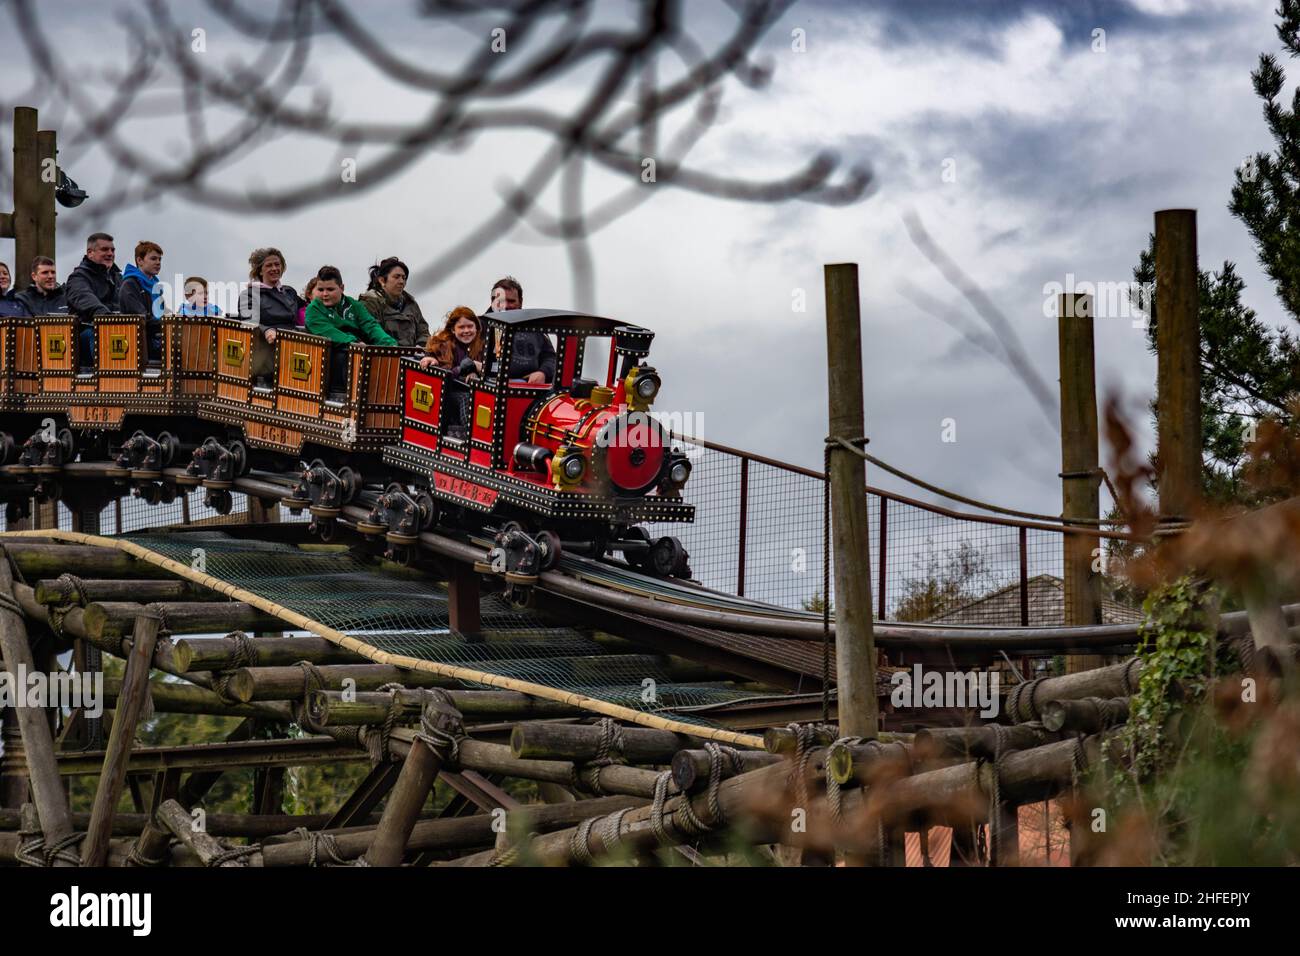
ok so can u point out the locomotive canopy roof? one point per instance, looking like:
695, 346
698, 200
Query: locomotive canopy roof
576, 320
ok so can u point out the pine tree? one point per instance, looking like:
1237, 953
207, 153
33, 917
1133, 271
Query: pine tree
1250, 371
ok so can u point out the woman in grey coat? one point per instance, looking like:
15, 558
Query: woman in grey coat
386, 299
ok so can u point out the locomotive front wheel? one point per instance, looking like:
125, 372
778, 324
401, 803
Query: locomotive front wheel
220, 500
548, 548
668, 558
428, 510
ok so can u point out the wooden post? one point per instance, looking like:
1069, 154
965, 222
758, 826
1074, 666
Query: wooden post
1080, 479
47, 151
38, 740
27, 194
855, 645
130, 704
419, 771
463, 601
1178, 364
13, 762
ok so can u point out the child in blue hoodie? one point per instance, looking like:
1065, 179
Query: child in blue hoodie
140, 295
196, 298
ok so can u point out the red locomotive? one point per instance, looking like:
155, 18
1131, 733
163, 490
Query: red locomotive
574, 464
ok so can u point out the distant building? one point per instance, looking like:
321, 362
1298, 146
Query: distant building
1046, 607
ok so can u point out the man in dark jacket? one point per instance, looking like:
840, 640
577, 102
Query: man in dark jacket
93, 290
44, 296
140, 294
532, 356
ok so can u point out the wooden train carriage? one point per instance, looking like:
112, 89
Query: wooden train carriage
296, 410
478, 470
122, 382
20, 369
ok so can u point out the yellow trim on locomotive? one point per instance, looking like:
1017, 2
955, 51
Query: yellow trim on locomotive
635, 402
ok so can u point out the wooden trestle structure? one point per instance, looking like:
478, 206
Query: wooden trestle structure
615, 791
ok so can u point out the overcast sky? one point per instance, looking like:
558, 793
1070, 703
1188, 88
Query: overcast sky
1059, 143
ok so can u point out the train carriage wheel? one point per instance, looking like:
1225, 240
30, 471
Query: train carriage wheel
351, 483
167, 442
239, 453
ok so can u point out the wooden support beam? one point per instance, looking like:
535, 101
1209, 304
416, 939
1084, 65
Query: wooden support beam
583, 742
691, 767
855, 648
1178, 364
250, 754
55, 592
47, 151
458, 833
38, 740
337, 709
154, 838
107, 621
223, 653
419, 771
130, 704
27, 193
173, 697
464, 595
40, 560
1080, 464
289, 683
179, 821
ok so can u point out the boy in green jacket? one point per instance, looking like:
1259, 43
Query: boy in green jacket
342, 320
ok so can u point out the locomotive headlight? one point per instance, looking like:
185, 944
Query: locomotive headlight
679, 472
641, 386
567, 468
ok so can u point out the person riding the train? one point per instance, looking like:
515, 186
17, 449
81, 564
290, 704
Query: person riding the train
460, 339
532, 356
391, 305
268, 304
457, 347
44, 296
196, 298
92, 290
140, 293
343, 320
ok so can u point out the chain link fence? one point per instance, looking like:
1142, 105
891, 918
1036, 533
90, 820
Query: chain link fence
759, 532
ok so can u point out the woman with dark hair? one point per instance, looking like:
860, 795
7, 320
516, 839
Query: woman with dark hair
268, 304
387, 300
